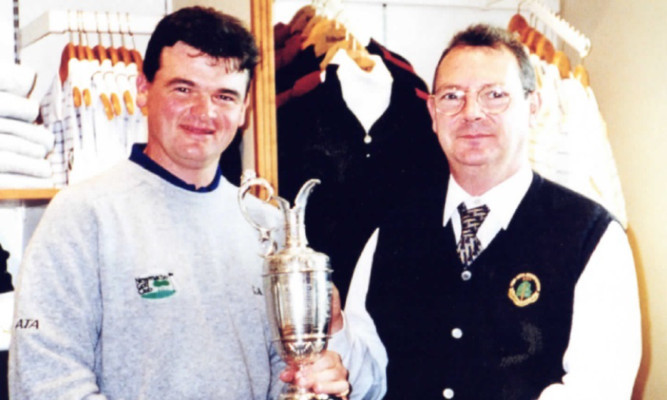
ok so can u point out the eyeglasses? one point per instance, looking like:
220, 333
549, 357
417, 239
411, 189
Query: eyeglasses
492, 99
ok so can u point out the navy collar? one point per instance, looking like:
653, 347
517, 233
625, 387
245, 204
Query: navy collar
138, 156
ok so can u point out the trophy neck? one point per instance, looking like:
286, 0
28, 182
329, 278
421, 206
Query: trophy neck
295, 228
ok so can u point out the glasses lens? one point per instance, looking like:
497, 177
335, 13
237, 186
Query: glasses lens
449, 101
494, 99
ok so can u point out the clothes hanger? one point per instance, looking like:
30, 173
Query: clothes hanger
102, 56
86, 56
318, 18
301, 18
115, 59
581, 74
136, 55
67, 60
562, 62
517, 24
354, 50
126, 58
336, 33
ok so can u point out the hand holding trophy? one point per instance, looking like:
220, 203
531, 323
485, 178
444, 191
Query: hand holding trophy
297, 287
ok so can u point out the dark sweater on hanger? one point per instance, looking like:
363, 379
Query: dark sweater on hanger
306, 62
319, 137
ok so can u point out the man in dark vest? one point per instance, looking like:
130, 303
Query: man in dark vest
498, 284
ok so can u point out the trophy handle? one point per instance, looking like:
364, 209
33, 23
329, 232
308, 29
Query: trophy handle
250, 179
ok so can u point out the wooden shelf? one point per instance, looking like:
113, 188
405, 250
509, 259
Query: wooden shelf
27, 194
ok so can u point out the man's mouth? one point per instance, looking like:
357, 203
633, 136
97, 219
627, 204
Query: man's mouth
198, 130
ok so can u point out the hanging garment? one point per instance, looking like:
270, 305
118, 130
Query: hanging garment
569, 143
52, 111
320, 137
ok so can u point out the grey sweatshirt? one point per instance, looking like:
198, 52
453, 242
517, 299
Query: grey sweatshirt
133, 288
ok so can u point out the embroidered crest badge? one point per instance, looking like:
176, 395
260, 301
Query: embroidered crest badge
524, 289
156, 286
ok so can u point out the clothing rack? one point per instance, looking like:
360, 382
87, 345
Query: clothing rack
562, 28
63, 21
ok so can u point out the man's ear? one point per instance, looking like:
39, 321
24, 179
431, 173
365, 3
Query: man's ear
142, 90
430, 103
535, 102
243, 115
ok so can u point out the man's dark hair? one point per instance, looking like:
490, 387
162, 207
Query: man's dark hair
208, 30
483, 35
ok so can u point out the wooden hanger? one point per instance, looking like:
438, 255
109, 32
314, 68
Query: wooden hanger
518, 25
321, 27
581, 74
85, 55
127, 59
337, 32
69, 53
316, 19
301, 18
354, 50
115, 59
544, 49
102, 56
561, 61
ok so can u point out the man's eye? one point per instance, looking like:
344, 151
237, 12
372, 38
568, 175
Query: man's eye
182, 89
494, 94
451, 96
226, 98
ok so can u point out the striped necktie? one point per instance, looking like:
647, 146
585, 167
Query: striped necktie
469, 246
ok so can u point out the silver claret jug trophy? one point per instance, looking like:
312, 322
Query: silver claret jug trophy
297, 286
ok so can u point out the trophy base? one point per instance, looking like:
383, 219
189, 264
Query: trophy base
292, 392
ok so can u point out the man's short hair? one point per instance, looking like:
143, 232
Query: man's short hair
208, 30
482, 35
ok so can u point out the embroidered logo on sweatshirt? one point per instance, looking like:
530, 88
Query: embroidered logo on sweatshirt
156, 286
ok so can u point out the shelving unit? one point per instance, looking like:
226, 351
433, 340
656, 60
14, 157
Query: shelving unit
27, 194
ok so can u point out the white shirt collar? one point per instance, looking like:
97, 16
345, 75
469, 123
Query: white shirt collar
502, 201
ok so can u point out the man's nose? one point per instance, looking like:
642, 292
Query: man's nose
471, 108
203, 107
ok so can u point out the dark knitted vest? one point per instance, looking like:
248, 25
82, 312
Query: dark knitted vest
442, 332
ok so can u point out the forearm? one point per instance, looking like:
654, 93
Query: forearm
366, 373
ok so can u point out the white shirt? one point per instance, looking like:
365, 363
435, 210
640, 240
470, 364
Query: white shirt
603, 355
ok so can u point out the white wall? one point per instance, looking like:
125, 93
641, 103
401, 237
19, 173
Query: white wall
627, 70
419, 30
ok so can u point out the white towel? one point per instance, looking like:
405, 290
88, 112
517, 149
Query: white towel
18, 164
18, 181
19, 145
35, 133
18, 107
17, 79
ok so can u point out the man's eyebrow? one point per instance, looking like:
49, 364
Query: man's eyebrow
180, 81
232, 92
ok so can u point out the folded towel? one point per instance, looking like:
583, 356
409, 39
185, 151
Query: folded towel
18, 164
32, 132
18, 107
19, 145
18, 181
17, 79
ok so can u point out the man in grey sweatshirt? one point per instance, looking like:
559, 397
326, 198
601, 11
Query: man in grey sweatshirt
145, 282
